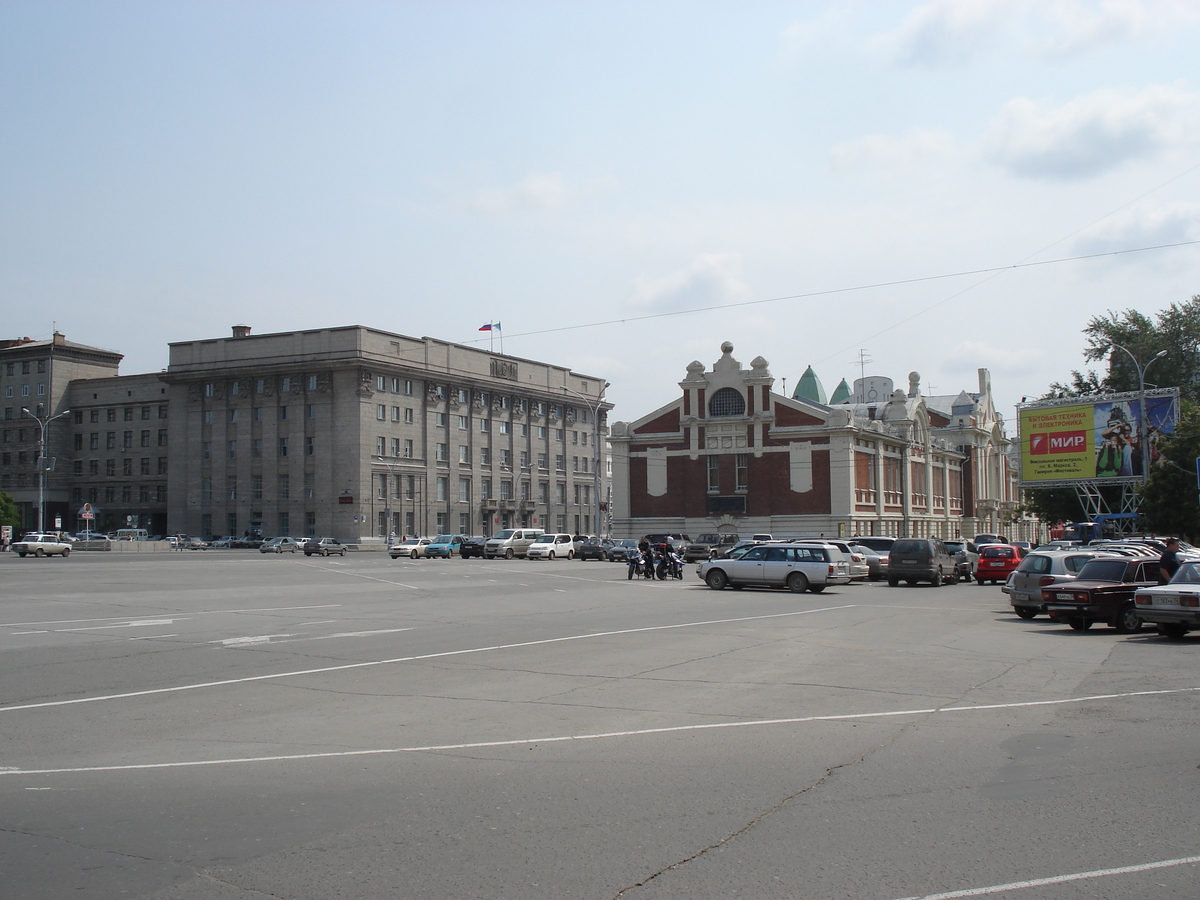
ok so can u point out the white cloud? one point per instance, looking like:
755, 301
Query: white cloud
946, 31
1143, 225
536, 191
918, 145
712, 279
1081, 26
1092, 133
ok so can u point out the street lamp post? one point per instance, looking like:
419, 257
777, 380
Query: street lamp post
594, 406
44, 422
1142, 433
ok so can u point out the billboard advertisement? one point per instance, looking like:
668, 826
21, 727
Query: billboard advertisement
1092, 438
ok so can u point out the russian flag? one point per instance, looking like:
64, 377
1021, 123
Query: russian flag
491, 326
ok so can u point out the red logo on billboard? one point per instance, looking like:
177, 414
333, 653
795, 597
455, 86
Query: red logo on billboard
1058, 442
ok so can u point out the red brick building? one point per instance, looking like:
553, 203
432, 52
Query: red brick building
731, 454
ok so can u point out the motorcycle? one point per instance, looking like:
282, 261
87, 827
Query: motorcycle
640, 566
670, 565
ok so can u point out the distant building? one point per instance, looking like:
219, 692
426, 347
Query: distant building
730, 454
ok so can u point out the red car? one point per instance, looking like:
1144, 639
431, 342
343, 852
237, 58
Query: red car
996, 561
1103, 592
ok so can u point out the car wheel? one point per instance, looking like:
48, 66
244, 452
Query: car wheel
1173, 630
1024, 612
412, 554
508, 554
716, 579
551, 556
1128, 621
816, 588
954, 578
981, 581
938, 579
570, 554
21, 554
893, 582
66, 553
39, 552
910, 581
797, 583
1081, 624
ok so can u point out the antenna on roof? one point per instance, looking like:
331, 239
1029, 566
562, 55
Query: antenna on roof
861, 361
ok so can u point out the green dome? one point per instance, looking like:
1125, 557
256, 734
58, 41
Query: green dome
841, 394
809, 388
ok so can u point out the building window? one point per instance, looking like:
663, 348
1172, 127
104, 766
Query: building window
285, 385
464, 490
145, 466
714, 474
440, 453
410, 488
206, 417
256, 490
742, 463
439, 419
464, 422
310, 486
524, 459
256, 414
110, 440
145, 413
541, 431
485, 456
560, 523
79, 442
144, 493
574, 463
408, 388
380, 446
283, 412
560, 462
231, 416
162, 412
283, 446
395, 447
727, 402
284, 487
162, 437
442, 487
560, 496
408, 415
526, 489
231, 450
543, 461
310, 410
381, 412
506, 458
230, 487
162, 466
146, 438
231, 524
127, 466
110, 467
395, 414
577, 493
464, 522
505, 489
381, 382
209, 389
312, 382
206, 449
234, 388
544, 493
464, 453
505, 428
205, 488
485, 425
256, 448
485, 488
310, 446
284, 523
381, 488
408, 449
129, 414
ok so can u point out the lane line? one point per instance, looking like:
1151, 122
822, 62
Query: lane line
141, 623
360, 575
1057, 879
608, 735
385, 662
203, 612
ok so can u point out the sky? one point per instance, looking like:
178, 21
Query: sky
864, 187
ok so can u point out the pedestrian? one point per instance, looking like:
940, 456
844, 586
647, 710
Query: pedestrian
1168, 563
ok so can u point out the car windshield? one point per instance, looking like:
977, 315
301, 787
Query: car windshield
544, 539
1188, 573
443, 539
997, 552
503, 535
1103, 570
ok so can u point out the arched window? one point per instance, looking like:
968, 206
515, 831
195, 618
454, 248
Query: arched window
727, 402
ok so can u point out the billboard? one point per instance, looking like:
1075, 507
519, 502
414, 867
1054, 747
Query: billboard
1093, 438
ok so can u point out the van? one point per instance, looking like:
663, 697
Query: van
551, 546
132, 534
510, 542
921, 559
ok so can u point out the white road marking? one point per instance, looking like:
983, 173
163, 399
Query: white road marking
140, 624
385, 662
1057, 879
250, 639
152, 637
203, 612
608, 735
360, 575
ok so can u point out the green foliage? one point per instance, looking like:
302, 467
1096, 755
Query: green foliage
9, 514
1169, 501
1054, 505
1175, 329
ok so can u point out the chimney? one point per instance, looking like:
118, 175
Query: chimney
241, 331
60, 339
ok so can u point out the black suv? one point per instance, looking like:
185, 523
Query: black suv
472, 546
921, 559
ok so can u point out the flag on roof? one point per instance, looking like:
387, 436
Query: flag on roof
491, 326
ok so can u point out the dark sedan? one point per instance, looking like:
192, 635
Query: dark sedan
1103, 592
621, 550
594, 548
472, 546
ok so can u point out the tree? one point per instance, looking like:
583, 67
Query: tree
1176, 330
1169, 502
9, 514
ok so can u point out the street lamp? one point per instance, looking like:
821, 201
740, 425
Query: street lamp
44, 422
1142, 437
594, 406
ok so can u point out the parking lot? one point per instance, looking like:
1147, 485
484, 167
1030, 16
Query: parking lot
231, 725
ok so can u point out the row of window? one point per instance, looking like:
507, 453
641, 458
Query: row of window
110, 414
110, 440
283, 487
256, 414
404, 487
146, 493
403, 449
259, 385
283, 447
110, 466
25, 364
10, 390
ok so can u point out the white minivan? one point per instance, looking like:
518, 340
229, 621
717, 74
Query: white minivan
510, 542
552, 546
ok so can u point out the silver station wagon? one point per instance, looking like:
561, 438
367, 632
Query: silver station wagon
796, 565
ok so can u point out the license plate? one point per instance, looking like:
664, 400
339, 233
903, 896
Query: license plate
908, 562
1064, 596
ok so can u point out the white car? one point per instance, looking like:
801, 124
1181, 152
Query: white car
798, 566
412, 548
1040, 569
551, 546
1174, 608
37, 544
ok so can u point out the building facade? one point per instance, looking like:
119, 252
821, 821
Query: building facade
359, 434
730, 454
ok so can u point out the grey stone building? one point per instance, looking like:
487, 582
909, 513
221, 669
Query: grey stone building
358, 433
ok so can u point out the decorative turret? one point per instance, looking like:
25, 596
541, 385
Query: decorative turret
809, 388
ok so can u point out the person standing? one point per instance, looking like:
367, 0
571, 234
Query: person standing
1168, 563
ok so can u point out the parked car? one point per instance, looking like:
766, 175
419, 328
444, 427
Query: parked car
676, 540
996, 561
921, 559
596, 548
967, 556
221, 543
277, 545
990, 539
472, 546
620, 551
860, 570
1173, 608
325, 546
247, 543
709, 545
1041, 569
444, 546
798, 566
551, 546
40, 544
413, 548
578, 540
194, 543
877, 561
1103, 592
510, 542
